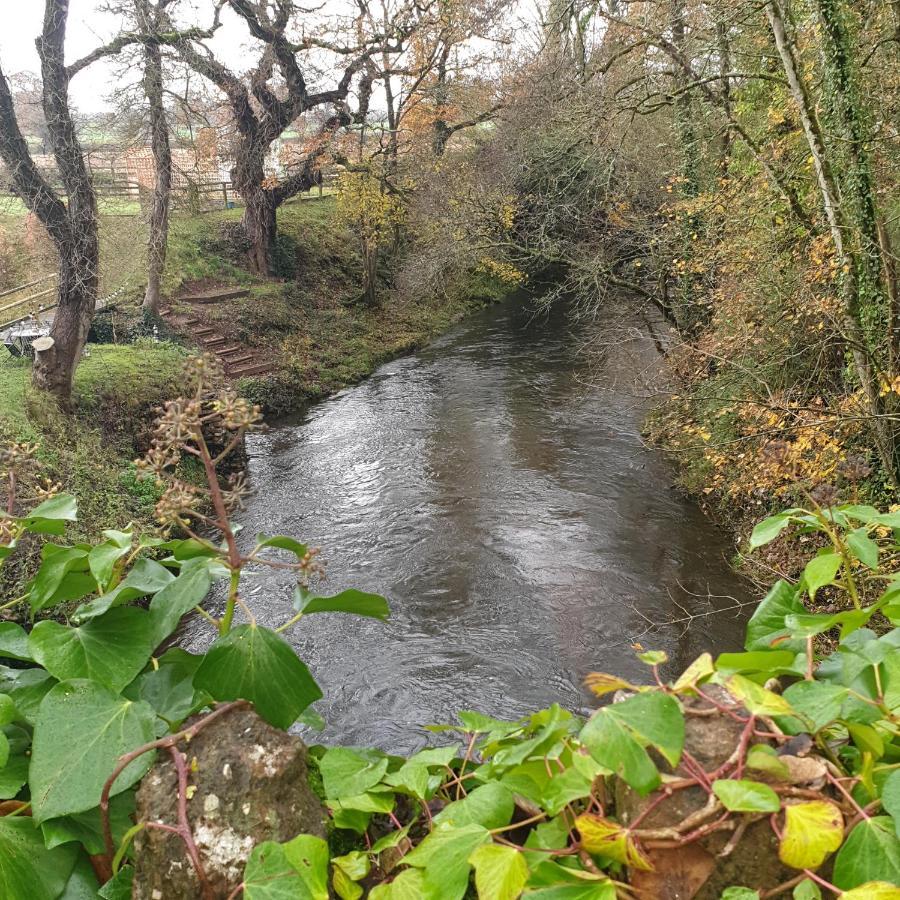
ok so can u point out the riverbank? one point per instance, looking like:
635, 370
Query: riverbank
307, 322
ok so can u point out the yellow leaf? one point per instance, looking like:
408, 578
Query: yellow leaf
607, 838
812, 831
601, 683
702, 667
757, 699
873, 890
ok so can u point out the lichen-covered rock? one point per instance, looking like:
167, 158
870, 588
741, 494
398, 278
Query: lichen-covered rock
248, 783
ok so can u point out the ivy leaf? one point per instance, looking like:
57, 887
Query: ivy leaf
180, 596
444, 858
272, 874
617, 734
82, 729
562, 789
807, 890
281, 542
408, 885
816, 701
82, 883
873, 890
820, 571
349, 601
169, 687
490, 806
28, 870
766, 628
14, 773
746, 796
600, 683
145, 577
763, 758
610, 839
14, 642
699, 670
870, 853
86, 827
739, 893
757, 699
253, 663
890, 798
27, 688
110, 650
119, 887
103, 557
50, 516
863, 547
597, 890
346, 773
766, 531
56, 563
812, 831
500, 872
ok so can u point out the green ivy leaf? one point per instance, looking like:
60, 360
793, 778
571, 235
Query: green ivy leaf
27, 688
103, 557
254, 663
347, 773
807, 890
820, 571
82, 883
444, 858
180, 596
86, 827
617, 734
598, 890
145, 577
863, 547
169, 687
349, 601
309, 855
870, 853
739, 893
766, 628
816, 701
408, 885
490, 806
28, 870
500, 872
110, 650
271, 875
738, 795
890, 798
49, 585
281, 542
14, 642
14, 773
120, 886
50, 516
766, 531
81, 731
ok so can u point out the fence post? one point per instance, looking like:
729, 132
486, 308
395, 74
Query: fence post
224, 195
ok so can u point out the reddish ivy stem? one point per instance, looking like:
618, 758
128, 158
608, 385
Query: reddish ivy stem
170, 741
184, 826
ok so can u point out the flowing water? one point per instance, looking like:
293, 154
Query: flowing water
495, 488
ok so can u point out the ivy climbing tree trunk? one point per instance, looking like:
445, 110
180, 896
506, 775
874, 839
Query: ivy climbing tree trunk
71, 225
864, 346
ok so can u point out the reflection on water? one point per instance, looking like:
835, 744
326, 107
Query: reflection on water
495, 489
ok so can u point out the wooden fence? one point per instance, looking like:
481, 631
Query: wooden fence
19, 303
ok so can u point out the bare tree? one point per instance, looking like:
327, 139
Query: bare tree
72, 225
264, 107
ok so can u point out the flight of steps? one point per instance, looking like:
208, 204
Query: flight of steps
238, 360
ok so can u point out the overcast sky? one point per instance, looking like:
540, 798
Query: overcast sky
89, 28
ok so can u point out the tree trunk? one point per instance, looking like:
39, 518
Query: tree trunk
162, 159
261, 226
73, 225
54, 368
370, 273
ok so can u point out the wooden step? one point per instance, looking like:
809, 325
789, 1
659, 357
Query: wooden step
205, 332
216, 296
250, 369
234, 348
233, 361
214, 343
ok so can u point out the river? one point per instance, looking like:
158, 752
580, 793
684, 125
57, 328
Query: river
494, 487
